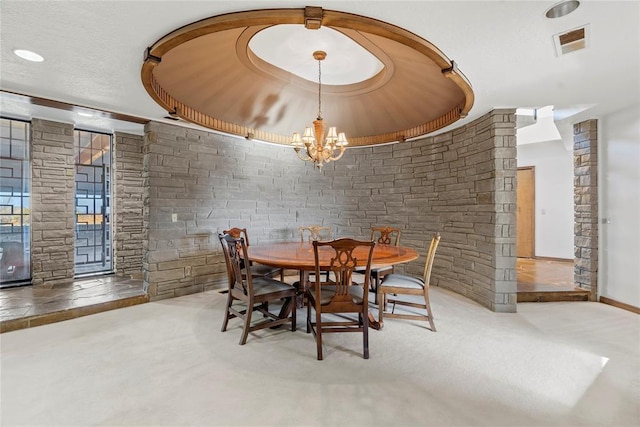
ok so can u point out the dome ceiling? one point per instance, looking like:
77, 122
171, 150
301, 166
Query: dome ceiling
207, 73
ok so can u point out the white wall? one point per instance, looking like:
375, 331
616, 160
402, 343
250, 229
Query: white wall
554, 196
619, 185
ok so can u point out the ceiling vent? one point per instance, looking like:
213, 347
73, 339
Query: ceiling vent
572, 40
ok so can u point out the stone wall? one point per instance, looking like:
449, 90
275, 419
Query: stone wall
585, 187
460, 183
52, 203
128, 205
209, 183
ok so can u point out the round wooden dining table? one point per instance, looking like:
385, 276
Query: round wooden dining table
299, 256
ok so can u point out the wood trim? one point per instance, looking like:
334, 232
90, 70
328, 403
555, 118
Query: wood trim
44, 102
533, 195
622, 305
329, 18
549, 258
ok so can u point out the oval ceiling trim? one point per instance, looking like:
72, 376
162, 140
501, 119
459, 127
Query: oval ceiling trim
334, 19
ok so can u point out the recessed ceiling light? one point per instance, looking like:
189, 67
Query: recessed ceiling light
561, 9
85, 114
28, 55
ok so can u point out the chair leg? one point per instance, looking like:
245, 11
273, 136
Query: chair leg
319, 334
381, 306
365, 332
377, 285
429, 313
247, 325
372, 283
226, 312
293, 303
308, 316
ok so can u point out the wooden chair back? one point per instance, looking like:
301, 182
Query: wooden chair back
386, 235
343, 265
242, 286
234, 249
236, 233
256, 270
343, 295
315, 232
396, 285
431, 254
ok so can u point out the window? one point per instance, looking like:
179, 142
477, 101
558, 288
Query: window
15, 213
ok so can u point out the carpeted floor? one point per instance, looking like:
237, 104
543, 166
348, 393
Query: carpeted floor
167, 363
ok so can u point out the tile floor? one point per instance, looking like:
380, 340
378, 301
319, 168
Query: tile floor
26, 306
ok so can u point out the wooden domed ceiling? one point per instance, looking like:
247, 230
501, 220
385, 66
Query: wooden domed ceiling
205, 73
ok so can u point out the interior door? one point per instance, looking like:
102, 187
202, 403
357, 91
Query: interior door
525, 213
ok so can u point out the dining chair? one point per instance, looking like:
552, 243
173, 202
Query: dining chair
254, 293
401, 284
313, 233
336, 302
382, 235
257, 270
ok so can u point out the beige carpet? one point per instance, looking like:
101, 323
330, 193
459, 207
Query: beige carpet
167, 363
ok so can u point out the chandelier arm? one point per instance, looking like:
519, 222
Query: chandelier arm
306, 159
337, 157
306, 153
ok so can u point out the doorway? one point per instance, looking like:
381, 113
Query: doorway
92, 196
538, 279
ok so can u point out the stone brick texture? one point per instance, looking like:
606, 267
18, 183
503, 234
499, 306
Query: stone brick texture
52, 203
461, 183
585, 196
128, 206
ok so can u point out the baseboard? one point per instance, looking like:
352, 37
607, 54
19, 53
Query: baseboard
618, 304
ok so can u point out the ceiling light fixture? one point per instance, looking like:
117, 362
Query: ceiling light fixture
319, 149
562, 9
28, 55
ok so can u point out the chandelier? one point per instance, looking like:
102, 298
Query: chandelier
318, 148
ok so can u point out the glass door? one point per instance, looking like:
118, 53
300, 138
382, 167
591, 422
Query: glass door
92, 194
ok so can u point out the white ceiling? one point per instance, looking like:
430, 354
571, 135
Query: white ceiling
291, 47
93, 52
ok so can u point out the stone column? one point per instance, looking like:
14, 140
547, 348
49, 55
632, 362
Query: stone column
585, 190
128, 205
506, 168
52, 203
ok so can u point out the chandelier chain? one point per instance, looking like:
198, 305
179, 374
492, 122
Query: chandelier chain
319, 89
